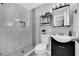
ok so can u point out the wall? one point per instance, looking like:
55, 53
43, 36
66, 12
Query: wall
32, 18
76, 27
50, 30
38, 11
30, 6
74, 21
13, 35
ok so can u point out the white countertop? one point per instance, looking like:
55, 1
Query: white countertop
64, 38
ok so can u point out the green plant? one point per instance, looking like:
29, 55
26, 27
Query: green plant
43, 16
47, 15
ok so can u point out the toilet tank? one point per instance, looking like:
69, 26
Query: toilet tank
45, 39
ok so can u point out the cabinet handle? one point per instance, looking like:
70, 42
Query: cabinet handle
62, 47
59, 46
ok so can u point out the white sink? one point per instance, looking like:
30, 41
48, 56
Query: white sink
62, 38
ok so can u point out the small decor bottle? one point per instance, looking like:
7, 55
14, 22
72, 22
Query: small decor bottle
70, 33
44, 31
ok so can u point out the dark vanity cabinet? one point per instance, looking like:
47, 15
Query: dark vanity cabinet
62, 49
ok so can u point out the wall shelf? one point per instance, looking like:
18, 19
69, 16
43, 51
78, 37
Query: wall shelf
62, 26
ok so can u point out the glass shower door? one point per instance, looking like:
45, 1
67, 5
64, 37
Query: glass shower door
15, 29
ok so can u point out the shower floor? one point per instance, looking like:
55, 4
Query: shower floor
22, 51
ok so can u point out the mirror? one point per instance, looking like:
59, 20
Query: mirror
61, 17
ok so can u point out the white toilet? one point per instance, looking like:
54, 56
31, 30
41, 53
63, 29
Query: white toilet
40, 49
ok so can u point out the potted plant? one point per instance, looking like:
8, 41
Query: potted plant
47, 17
44, 19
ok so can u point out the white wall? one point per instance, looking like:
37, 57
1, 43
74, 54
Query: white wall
74, 21
38, 11
76, 27
30, 6
41, 10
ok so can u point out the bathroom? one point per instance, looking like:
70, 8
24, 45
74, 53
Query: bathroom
25, 30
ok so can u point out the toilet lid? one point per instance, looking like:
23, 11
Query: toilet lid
40, 47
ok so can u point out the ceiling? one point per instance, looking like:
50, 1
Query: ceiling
30, 6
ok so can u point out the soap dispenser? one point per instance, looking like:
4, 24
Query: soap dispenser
70, 33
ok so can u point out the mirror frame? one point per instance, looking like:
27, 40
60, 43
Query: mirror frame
63, 15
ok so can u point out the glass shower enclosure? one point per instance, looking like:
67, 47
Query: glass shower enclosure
15, 30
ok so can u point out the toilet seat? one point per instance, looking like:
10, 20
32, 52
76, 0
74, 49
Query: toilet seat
40, 47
